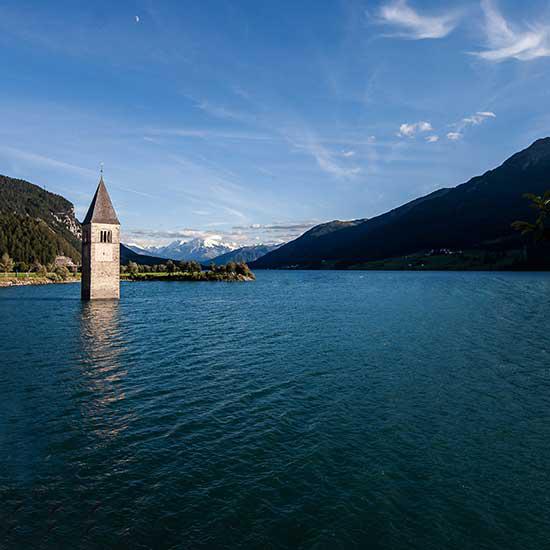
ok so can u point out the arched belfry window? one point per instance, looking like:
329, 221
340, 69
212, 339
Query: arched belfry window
105, 236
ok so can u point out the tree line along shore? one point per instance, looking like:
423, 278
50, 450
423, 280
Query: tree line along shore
20, 274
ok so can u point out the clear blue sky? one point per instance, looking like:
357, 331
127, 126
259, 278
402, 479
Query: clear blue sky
256, 119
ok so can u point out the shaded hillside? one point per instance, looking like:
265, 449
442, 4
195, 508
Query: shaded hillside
36, 225
310, 244
476, 214
128, 255
245, 254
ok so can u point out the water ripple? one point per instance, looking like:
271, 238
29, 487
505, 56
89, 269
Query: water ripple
306, 410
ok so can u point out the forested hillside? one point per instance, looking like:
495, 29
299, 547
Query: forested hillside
36, 225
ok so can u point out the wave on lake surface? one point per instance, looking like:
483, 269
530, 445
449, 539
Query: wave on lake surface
305, 410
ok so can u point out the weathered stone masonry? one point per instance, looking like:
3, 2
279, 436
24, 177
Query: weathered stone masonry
101, 249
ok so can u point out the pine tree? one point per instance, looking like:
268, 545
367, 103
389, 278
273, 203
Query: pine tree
6, 263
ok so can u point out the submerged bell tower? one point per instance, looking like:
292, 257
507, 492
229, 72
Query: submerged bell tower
101, 248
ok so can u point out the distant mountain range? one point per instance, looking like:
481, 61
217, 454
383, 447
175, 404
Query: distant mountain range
201, 250
477, 214
205, 251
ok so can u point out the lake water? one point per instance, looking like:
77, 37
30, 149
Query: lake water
306, 410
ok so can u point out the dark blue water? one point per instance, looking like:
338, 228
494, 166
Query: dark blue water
305, 410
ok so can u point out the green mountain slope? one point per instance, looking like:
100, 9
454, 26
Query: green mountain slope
36, 225
476, 214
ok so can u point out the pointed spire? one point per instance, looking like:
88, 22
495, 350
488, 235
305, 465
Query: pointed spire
101, 210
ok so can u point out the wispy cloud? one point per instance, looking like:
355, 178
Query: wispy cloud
507, 41
472, 120
478, 118
454, 136
207, 133
47, 162
219, 111
273, 233
411, 129
432, 139
327, 160
280, 227
42, 160
240, 235
416, 26
327, 163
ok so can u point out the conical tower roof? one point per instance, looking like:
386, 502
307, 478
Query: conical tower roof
101, 210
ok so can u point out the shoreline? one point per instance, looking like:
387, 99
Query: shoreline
198, 277
204, 276
30, 281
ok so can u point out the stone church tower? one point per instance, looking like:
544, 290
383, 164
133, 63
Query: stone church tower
101, 248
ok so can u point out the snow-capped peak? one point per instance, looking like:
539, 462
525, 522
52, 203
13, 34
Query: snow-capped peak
200, 249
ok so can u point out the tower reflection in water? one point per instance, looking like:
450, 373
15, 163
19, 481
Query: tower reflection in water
102, 368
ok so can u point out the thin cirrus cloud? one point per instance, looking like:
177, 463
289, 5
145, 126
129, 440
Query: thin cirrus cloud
206, 134
506, 41
411, 129
478, 118
412, 25
326, 162
472, 120
326, 159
